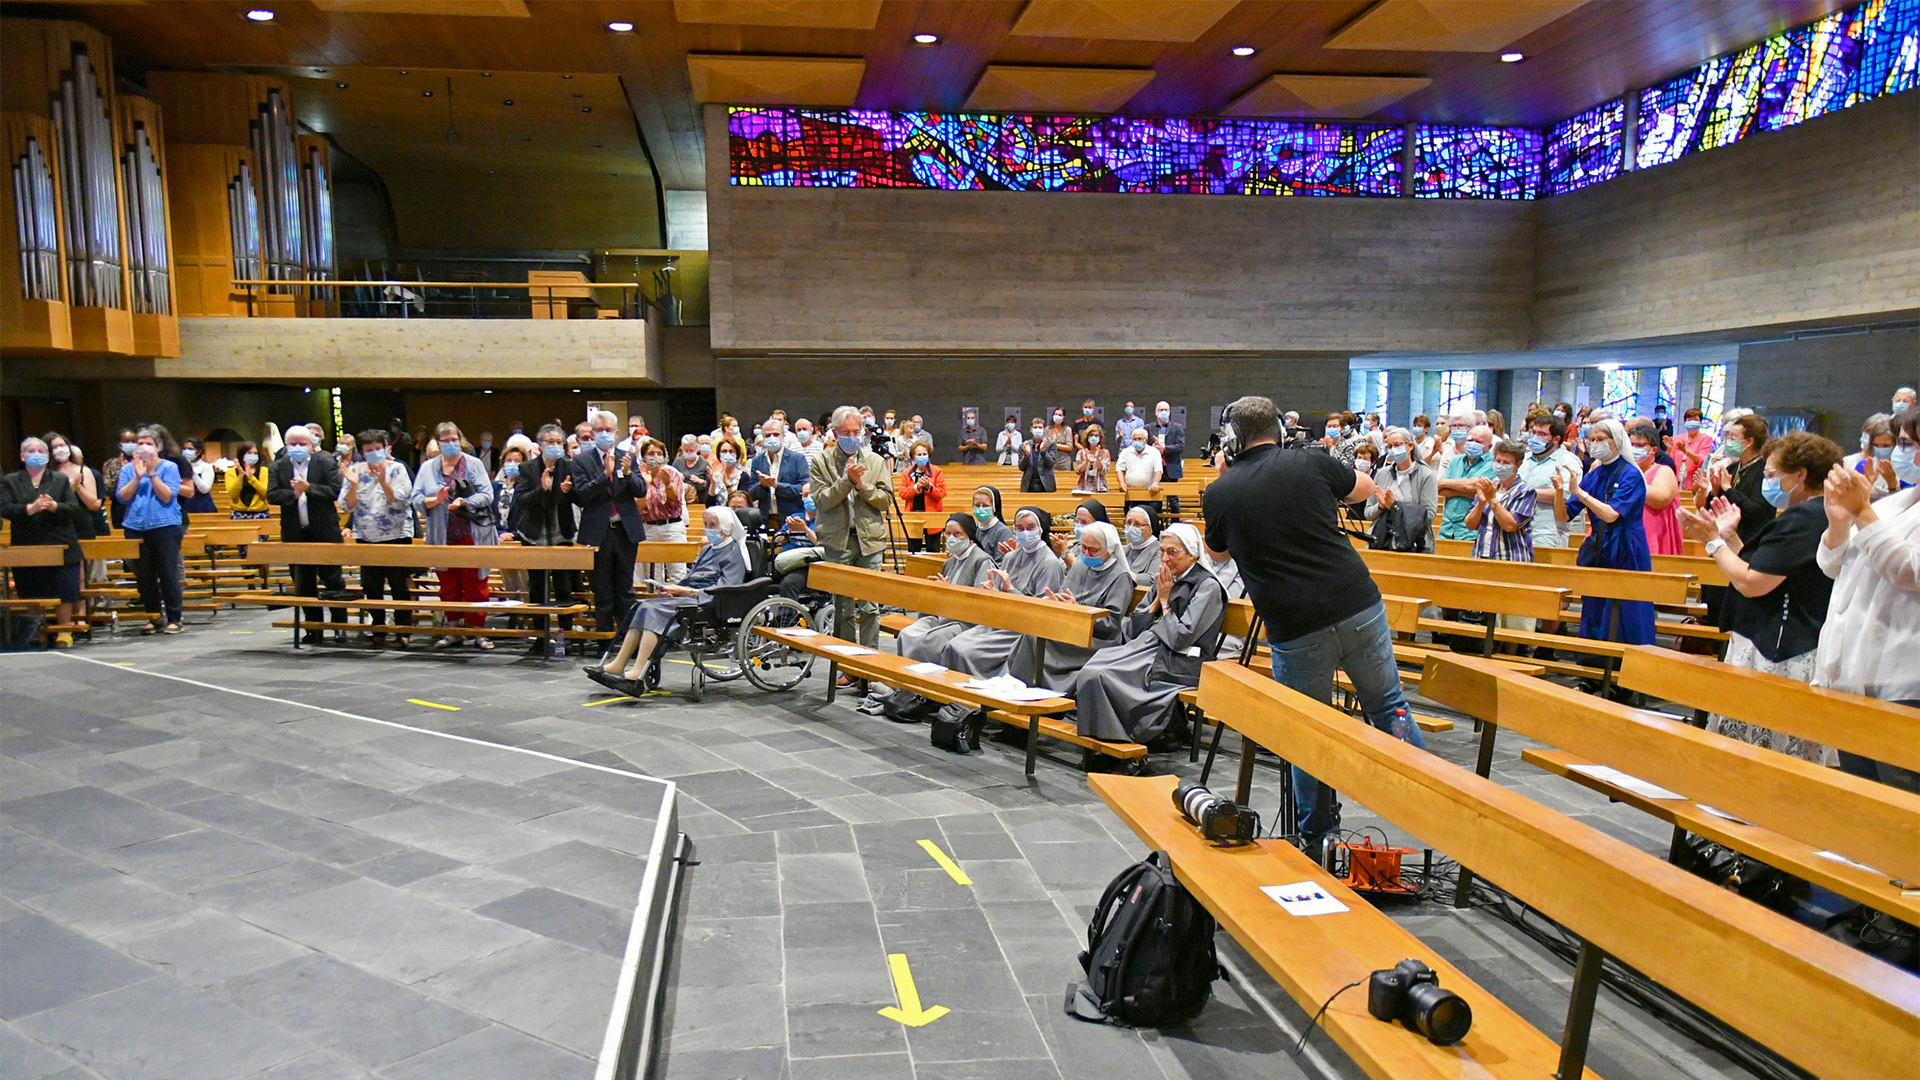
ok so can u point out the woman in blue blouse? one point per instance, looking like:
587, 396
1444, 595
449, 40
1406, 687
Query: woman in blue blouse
149, 489
723, 561
1613, 495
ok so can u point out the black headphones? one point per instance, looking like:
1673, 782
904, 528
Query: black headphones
1229, 437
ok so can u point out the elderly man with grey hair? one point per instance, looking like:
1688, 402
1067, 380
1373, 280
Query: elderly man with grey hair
1460, 479
305, 484
851, 492
608, 487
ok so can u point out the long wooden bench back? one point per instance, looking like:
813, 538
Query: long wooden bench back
497, 556
1829, 1008
1703, 569
1866, 821
1070, 624
110, 547
1862, 725
1579, 580
1531, 601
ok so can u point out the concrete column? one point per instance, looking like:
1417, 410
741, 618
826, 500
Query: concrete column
1359, 385
1646, 390
1689, 392
1402, 397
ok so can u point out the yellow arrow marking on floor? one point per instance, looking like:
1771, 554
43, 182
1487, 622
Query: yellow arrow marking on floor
123, 663
239, 631
909, 1013
952, 868
433, 704
607, 701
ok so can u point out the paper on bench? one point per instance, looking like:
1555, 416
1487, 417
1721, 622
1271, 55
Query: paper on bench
925, 669
1643, 788
1009, 688
800, 631
501, 603
1304, 898
850, 650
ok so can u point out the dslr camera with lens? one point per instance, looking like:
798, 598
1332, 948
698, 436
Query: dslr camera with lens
1220, 820
1411, 993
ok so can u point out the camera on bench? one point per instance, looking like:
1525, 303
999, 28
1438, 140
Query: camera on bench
1220, 820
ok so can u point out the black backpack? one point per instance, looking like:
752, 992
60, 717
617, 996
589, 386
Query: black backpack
1149, 959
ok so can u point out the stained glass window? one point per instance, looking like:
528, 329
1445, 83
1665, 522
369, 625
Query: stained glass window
1456, 393
1889, 35
1669, 390
1475, 162
1672, 113
1713, 391
779, 147
1585, 149
1620, 393
1380, 385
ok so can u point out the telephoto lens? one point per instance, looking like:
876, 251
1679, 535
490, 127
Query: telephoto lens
1220, 820
1196, 802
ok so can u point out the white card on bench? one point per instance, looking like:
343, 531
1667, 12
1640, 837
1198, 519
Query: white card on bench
1643, 788
1304, 898
925, 669
800, 631
850, 650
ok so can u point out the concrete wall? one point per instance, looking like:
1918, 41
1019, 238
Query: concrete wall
936, 388
1816, 224
1849, 376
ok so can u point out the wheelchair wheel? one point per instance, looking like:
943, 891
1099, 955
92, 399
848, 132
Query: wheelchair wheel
719, 666
768, 664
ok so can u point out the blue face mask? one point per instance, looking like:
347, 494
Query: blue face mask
921, 459
1163, 416
1537, 444
1694, 425
603, 439
375, 457
1094, 562
1396, 454
849, 444
1135, 534
552, 451
1771, 491
1086, 410
1129, 410
1093, 440
983, 514
1904, 466
729, 458
298, 453
1078, 529
1333, 431
1637, 453
36, 460
510, 470
1420, 431
1028, 538
806, 503
1457, 435
452, 449
1502, 471
127, 448
1884, 453
1473, 450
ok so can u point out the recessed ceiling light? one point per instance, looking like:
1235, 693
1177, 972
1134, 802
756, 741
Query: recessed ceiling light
566, 76
426, 93
1243, 50
486, 74
406, 73
620, 27
1512, 57
508, 101
576, 390
586, 108
339, 86
926, 39
260, 15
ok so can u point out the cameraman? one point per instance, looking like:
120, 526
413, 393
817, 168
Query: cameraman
1277, 512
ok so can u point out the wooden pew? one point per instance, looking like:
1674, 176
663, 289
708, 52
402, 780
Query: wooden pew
1822, 809
1701, 568
1828, 1008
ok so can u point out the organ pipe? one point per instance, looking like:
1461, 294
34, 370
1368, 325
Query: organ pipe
243, 217
37, 220
279, 209
85, 137
147, 252
316, 204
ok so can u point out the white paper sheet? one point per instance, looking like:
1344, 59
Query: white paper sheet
1304, 898
800, 631
1008, 688
850, 650
1643, 788
925, 669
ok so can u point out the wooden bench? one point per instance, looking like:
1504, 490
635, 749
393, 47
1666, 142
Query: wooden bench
1046, 620
31, 555
1701, 568
1819, 809
1828, 1008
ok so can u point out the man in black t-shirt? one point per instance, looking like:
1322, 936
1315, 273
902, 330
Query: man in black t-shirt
1276, 511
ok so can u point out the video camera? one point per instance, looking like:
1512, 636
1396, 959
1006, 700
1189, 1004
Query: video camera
1410, 992
1220, 820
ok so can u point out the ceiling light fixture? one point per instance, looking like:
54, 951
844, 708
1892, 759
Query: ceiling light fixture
1512, 57
620, 27
926, 39
426, 93
260, 15
508, 101
339, 86
1243, 50
586, 108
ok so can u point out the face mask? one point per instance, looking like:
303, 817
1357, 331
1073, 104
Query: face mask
705, 449
1474, 450
1420, 431
1011, 426
1086, 410
1904, 466
1140, 446
850, 444
716, 537
375, 457
1537, 444
298, 453
128, 448
552, 451
1078, 529
1866, 441
1502, 471
1457, 436
1693, 425
452, 450
1135, 534
1039, 431
805, 437
1093, 440
1163, 416
1129, 410
1028, 538
1561, 413
36, 460
342, 450
1094, 562
1734, 447
1600, 451
1883, 452
983, 514
1396, 454
729, 458
921, 460
62, 454
1583, 430
1057, 417
1333, 431
510, 470
656, 460
889, 421
1638, 454
603, 439
1771, 491
1899, 406
486, 444
957, 544
807, 504
251, 459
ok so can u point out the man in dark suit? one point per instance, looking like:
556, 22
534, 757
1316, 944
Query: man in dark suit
304, 485
1170, 439
776, 478
608, 489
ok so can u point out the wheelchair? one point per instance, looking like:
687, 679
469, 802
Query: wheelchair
718, 635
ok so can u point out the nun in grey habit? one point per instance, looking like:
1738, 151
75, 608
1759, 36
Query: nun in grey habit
1097, 577
1143, 547
1030, 569
1128, 693
993, 533
967, 564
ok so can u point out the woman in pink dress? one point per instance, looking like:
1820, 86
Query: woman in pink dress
1662, 512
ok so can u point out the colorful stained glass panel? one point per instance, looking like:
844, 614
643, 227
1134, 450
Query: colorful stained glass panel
1475, 162
1585, 149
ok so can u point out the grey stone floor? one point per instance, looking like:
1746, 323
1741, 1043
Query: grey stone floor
807, 821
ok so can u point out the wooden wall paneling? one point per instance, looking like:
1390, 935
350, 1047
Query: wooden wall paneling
26, 323
140, 127
197, 182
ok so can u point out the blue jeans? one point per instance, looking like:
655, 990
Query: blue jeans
1362, 646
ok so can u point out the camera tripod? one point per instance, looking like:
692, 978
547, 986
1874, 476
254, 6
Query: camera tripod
1243, 786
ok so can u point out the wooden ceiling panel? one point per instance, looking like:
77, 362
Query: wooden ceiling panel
498, 9
1332, 97
1448, 25
819, 14
1121, 20
1008, 88
776, 80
